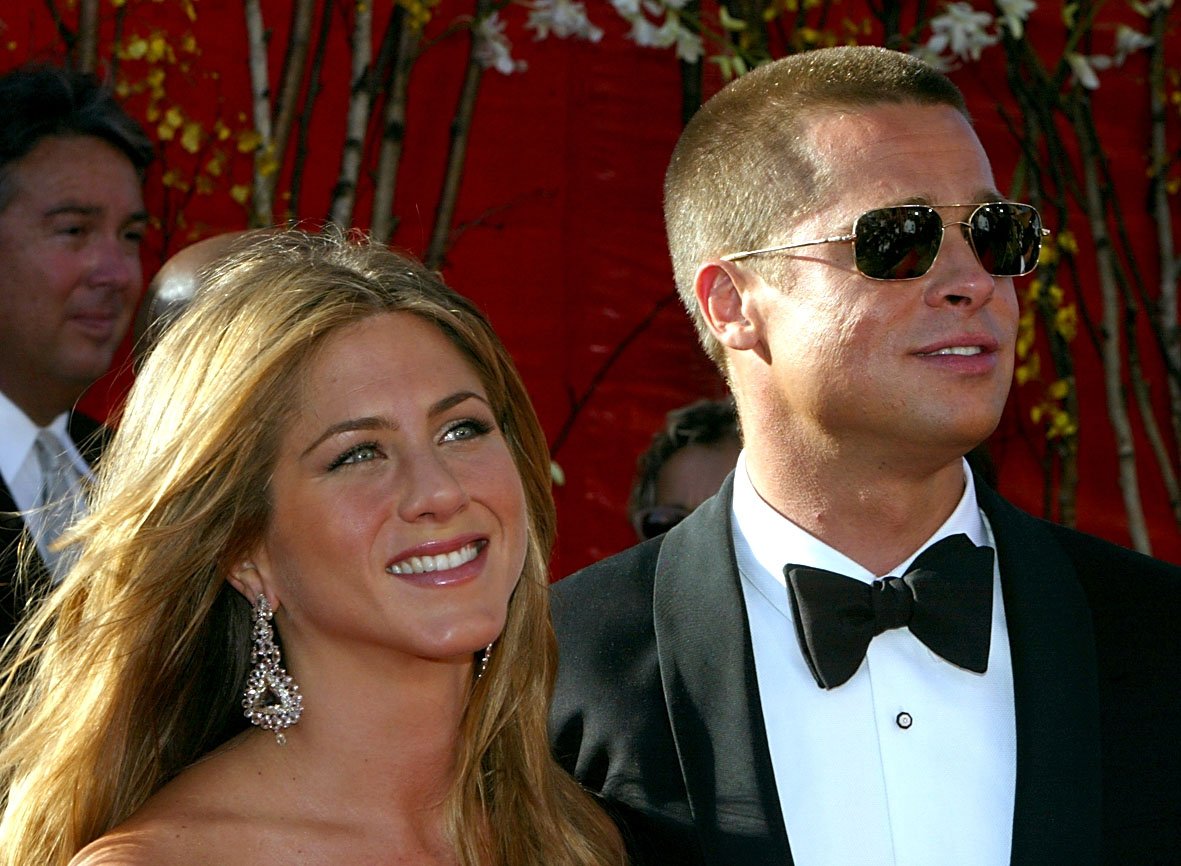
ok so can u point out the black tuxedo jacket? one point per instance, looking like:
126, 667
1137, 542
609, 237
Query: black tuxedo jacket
15, 595
657, 706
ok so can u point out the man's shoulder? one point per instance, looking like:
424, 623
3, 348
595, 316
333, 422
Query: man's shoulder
615, 592
636, 564
1089, 554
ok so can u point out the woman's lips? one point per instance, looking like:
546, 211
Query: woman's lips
440, 565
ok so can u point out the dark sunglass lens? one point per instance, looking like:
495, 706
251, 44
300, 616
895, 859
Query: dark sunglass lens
896, 243
1007, 238
658, 520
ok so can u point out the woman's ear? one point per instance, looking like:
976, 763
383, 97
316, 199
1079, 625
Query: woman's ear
721, 289
249, 578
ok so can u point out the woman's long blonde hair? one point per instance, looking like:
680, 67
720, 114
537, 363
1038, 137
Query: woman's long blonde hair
134, 667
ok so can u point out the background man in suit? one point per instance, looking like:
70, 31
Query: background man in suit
1010, 692
71, 220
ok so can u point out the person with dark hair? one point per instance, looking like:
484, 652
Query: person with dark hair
685, 464
308, 620
71, 221
857, 653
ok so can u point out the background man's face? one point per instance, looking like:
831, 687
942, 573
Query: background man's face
69, 264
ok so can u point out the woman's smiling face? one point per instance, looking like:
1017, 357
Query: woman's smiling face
398, 519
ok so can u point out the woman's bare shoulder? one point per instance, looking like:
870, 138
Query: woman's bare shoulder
193, 820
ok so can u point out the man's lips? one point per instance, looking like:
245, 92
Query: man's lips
962, 346
97, 322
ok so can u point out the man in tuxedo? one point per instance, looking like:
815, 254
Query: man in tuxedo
71, 221
858, 653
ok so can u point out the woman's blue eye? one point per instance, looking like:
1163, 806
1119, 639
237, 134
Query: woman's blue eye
469, 428
357, 454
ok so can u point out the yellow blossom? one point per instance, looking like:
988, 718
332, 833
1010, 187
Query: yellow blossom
1061, 425
249, 141
1048, 255
1068, 242
136, 48
1025, 333
1058, 389
1030, 370
173, 178
190, 139
1033, 292
240, 193
1066, 322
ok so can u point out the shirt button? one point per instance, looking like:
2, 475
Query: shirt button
903, 720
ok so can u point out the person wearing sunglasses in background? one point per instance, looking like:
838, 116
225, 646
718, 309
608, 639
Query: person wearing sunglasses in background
857, 652
684, 465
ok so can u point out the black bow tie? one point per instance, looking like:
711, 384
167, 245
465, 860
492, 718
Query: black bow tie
945, 599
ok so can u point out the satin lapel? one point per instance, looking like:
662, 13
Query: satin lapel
708, 673
1057, 811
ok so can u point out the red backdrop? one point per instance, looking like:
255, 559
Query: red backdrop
559, 234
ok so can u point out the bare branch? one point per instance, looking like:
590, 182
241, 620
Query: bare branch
1162, 217
382, 223
344, 194
308, 108
457, 152
262, 212
578, 403
1112, 356
294, 64
87, 47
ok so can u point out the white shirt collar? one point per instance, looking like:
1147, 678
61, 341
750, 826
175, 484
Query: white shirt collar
17, 432
764, 536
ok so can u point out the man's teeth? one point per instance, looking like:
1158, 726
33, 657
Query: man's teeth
956, 350
442, 562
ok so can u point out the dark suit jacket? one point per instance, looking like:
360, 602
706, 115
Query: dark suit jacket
15, 595
657, 706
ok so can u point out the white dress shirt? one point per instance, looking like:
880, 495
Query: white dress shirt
912, 762
19, 467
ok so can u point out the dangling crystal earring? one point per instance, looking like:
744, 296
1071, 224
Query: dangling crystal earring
272, 699
484, 661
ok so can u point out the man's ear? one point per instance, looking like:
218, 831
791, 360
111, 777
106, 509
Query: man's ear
722, 290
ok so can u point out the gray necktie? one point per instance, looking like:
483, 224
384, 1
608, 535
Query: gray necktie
61, 499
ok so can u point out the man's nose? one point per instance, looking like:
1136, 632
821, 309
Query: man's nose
958, 278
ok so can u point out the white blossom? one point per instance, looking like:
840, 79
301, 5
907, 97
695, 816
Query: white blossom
690, 48
1014, 14
645, 33
493, 50
563, 18
1085, 67
628, 9
1129, 41
934, 59
961, 30
1151, 7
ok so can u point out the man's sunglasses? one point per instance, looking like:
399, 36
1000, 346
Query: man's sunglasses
901, 242
658, 519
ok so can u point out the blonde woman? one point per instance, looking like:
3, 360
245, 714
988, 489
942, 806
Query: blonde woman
330, 460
